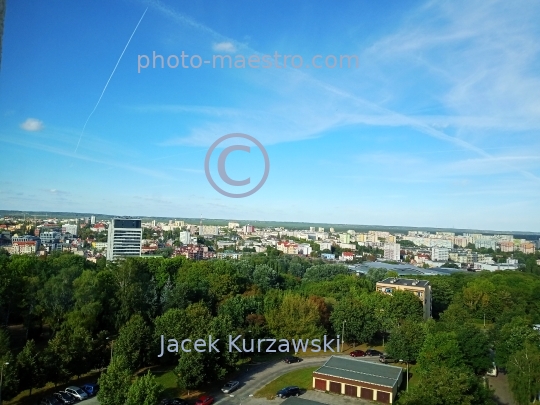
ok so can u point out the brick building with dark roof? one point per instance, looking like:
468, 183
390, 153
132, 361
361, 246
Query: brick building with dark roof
359, 379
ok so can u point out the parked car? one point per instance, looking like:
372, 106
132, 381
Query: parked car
64, 398
230, 387
288, 392
178, 401
357, 353
384, 358
373, 352
76, 392
291, 359
91, 389
50, 401
493, 372
173, 401
204, 400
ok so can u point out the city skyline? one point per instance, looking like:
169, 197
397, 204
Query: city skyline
436, 128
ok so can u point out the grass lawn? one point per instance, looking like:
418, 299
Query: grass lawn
167, 379
302, 378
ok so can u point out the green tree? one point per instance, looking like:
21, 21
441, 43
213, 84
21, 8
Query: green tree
266, 277
191, 370
115, 382
30, 368
524, 373
145, 390
134, 343
360, 318
296, 318
322, 272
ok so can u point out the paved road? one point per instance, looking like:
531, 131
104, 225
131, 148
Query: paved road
260, 375
257, 378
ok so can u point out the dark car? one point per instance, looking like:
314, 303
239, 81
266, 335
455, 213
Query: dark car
50, 401
288, 392
357, 353
384, 358
373, 352
291, 359
173, 401
91, 389
64, 398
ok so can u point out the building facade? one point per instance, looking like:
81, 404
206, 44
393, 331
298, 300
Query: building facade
124, 238
392, 251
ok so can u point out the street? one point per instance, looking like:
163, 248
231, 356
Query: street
260, 375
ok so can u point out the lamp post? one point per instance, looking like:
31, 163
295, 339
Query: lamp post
112, 343
1, 379
343, 335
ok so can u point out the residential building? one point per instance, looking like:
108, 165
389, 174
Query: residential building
210, 230
359, 379
507, 246
233, 225
351, 246
321, 229
527, 248
461, 241
185, 238
92, 220
344, 238
23, 248
392, 251
487, 243
304, 249
288, 248
328, 256
99, 227
420, 288
439, 254
325, 245
124, 238
331, 230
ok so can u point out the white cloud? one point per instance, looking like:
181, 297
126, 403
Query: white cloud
32, 124
224, 47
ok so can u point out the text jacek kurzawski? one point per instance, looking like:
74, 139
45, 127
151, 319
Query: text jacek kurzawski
241, 345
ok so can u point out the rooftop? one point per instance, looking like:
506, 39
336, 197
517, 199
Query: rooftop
361, 370
405, 281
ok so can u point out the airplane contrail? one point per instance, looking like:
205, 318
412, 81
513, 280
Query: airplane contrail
110, 77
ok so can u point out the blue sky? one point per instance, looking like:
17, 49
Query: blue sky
438, 126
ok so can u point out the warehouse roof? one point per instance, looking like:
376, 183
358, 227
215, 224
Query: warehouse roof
361, 370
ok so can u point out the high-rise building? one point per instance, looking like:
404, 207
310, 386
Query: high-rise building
92, 220
124, 238
392, 251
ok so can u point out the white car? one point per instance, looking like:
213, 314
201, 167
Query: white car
76, 392
230, 387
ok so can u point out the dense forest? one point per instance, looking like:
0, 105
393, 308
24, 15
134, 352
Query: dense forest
60, 314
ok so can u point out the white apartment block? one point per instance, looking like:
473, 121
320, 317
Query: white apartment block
439, 254
325, 245
345, 238
185, 238
392, 251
